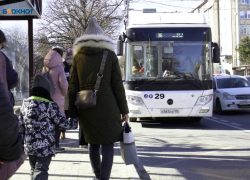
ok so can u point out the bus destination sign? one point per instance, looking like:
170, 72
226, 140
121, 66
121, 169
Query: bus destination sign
169, 35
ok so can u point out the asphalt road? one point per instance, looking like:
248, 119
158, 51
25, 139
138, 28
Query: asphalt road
216, 148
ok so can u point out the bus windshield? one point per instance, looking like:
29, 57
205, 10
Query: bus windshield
169, 60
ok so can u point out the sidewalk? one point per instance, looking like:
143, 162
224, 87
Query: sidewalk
74, 164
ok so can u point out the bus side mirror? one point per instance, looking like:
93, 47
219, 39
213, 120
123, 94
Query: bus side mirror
216, 53
119, 46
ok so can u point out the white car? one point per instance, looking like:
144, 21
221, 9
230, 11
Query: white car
231, 93
248, 78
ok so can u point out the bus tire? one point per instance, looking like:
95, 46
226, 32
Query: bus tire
195, 119
132, 119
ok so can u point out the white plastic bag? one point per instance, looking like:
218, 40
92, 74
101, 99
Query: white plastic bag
128, 148
128, 136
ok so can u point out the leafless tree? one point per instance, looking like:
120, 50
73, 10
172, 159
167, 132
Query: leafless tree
41, 48
17, 52
65, 20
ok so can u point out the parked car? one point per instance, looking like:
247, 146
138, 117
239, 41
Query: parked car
248, 78
231, 93
221, 75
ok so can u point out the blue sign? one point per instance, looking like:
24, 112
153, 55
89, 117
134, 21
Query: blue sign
18, 11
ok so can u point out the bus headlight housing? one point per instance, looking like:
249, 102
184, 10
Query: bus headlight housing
203, 100
135, 100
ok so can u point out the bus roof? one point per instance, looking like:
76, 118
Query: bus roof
168, 19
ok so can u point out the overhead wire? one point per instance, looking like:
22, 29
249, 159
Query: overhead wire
164, 4
159, 3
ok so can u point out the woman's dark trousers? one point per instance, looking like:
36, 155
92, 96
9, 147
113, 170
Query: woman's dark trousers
101, 168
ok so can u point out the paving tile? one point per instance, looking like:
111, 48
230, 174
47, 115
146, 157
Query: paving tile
74, 164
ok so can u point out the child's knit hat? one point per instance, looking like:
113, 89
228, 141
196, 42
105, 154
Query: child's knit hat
41, 81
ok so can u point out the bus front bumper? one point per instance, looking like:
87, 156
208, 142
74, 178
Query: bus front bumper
196, 111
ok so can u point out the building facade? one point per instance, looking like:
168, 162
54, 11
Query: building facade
230, 22
244, 30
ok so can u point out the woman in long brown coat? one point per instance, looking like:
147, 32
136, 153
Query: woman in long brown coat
102, 124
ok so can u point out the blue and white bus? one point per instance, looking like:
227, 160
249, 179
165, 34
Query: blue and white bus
168, 71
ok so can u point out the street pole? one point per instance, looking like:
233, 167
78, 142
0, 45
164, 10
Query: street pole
127, 13
218, 11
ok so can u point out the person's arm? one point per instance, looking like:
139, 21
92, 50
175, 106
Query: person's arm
117, 86
59, 119
12, 76
73, 89
11, 141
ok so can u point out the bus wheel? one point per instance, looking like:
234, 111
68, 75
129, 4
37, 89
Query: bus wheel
218, 107
132, 119
195, 119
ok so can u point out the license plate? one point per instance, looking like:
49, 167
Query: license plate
170, 111
244, 102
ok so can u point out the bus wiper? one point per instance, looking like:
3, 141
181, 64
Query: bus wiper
191, 82
150, 82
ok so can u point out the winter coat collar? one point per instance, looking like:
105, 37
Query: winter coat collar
52, 59
41, 92
93, 40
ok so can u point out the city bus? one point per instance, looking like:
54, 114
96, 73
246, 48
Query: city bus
168, 66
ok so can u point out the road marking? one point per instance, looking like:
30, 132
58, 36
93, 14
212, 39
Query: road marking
222, 120
235, 124
214, 117
236, 127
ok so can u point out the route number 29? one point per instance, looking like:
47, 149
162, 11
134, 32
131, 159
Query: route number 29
159, 96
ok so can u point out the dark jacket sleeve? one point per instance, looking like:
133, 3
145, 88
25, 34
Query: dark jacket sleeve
73, 90
10, 139
117, 86
12, 76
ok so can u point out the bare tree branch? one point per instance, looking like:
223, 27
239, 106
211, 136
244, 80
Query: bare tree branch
65, 20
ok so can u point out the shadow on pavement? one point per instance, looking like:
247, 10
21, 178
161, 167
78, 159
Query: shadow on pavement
192, 162
204, 124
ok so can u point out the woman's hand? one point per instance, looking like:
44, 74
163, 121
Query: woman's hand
125, 117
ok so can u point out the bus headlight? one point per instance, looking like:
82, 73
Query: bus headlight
203, 100
135, 100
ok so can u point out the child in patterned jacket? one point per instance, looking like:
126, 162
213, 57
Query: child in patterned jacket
38, 118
